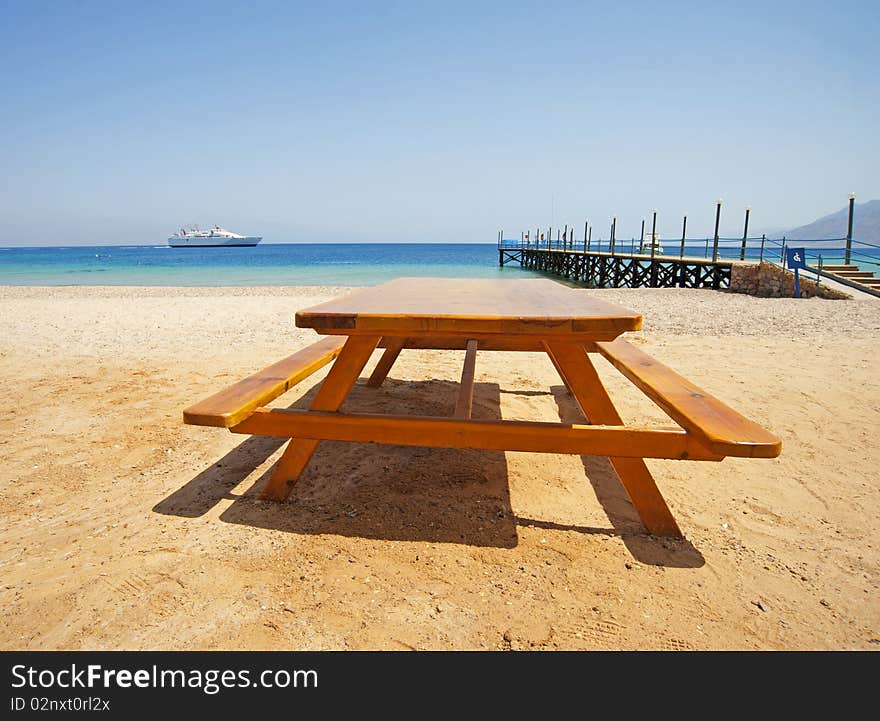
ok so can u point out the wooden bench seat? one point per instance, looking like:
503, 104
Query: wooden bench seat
716, 425
235, 403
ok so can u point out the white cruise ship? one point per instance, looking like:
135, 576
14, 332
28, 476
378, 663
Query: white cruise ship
645, 247
217, 236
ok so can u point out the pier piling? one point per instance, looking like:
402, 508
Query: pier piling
742, 250
717, 223
684, 225
849, 229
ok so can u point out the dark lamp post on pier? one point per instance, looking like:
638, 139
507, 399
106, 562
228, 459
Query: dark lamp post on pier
717, 223
613, 232
742, 250
684, 225
849, 227
654, 233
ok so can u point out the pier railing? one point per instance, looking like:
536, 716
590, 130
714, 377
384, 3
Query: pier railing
819, 252
828, 250
688, 263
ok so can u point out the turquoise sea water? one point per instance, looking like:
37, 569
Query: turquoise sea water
288, 264
275, 264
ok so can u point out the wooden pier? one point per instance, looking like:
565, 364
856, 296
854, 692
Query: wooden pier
620, 270
585, 261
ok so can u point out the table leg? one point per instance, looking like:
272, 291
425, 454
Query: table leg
465, 401
579, 374
342, 376
380, 372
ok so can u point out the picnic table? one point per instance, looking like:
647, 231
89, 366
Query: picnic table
486, 315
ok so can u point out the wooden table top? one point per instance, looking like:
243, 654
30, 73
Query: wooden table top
464, 307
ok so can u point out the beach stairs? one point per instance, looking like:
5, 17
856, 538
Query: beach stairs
852, 276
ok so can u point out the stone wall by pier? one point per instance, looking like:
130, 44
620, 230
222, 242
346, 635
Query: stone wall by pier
770, 281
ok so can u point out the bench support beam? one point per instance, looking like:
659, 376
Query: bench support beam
433, 432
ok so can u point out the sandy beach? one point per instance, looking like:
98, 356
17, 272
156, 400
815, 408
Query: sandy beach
123, 528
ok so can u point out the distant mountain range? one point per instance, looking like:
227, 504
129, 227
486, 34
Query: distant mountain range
866, 225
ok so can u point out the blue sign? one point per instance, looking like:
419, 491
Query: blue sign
795, 258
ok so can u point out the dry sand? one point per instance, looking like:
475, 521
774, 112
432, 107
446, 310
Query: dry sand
125, 529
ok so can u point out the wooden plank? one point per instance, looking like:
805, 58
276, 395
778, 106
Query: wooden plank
235, 403
595, 403
484, 343
717, 425
330, 396
415, 307
465, 400
535, 437
392, 350
502, 341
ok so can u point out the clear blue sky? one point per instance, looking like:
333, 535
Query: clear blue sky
416, 122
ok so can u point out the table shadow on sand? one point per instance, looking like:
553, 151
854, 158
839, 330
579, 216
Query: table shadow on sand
406, 493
